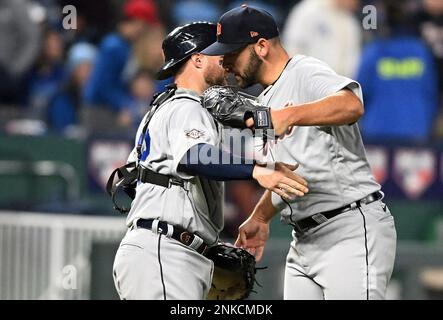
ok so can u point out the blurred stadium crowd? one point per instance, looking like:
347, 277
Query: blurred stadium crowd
100, 77
108, 62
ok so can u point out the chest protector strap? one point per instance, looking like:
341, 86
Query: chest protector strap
130, 173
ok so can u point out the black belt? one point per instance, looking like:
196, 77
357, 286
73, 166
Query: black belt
177, 233
317, 219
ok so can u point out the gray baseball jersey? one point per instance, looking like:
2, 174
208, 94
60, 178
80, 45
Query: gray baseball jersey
351, 255
149, 265
179, 124
332, 159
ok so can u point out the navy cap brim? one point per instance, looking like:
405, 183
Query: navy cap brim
220, 49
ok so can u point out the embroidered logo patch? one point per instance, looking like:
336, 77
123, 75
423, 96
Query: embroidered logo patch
186, 238
194, 133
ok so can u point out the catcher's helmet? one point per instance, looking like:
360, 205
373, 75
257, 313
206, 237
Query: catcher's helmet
182, 42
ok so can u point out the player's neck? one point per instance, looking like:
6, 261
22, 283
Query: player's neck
190, 83
273, 68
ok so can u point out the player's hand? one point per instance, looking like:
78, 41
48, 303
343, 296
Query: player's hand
281, 179
252, 236
280, 121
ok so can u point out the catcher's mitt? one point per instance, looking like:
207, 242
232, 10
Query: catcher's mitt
232, 108
234, 272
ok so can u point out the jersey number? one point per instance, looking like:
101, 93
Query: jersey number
147, 143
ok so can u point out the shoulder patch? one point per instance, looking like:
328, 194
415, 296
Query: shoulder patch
194, 133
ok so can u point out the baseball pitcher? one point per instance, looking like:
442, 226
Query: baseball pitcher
344, 237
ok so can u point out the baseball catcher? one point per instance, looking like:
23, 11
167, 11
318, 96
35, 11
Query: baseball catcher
234, 272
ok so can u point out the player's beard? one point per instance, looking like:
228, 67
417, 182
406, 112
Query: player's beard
249, 76
215, 76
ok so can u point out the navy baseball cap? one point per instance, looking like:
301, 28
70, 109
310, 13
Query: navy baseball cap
241, 26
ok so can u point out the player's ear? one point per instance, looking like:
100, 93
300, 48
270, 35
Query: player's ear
197, 60
261, 47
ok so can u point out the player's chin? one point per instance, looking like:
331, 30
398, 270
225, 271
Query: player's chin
216, 82
242, 82
220, 82
224, 81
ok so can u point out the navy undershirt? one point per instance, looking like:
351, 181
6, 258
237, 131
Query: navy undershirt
237, 168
